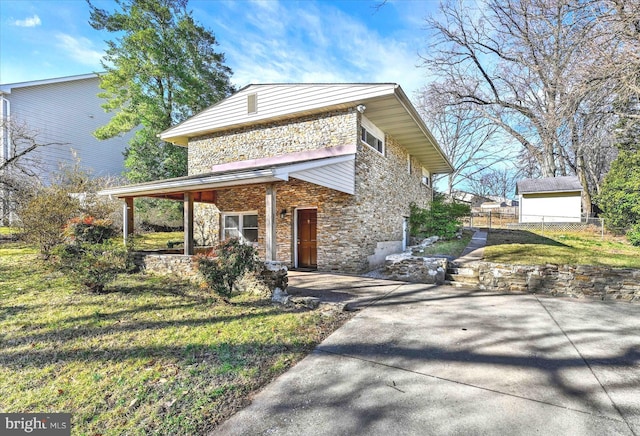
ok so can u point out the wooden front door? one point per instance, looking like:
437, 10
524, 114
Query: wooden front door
307, 229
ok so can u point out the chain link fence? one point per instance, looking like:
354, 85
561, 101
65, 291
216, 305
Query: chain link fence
496, 219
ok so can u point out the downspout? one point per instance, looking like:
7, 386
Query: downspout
6, 117
5, 114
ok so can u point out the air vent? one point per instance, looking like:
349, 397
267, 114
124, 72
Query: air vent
252, 103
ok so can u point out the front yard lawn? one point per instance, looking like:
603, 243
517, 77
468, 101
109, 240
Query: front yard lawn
561, 248
151, 355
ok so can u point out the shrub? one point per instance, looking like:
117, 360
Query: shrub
90, 258
230, 261
92, 265
45, 213
89, 230
633, 235
43, 218
441, 219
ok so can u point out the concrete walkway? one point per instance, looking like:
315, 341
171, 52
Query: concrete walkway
475, 249
429, 360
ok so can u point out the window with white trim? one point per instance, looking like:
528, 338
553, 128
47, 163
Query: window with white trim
242, 225
371, 135
426, 177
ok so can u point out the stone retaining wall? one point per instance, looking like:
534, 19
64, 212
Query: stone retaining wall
575, 281
274, 275
417, 269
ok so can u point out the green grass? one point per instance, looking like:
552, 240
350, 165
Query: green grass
560, 248
157, 240
152, 355
8, 231
453, 247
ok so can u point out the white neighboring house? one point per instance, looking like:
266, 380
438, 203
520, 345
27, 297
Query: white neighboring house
551, 199
64, 110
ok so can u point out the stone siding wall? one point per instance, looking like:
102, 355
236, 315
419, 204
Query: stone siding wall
566, 280
175, 265
268, 140
384, 190
350, 227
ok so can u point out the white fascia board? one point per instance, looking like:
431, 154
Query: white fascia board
256, 176
6, 88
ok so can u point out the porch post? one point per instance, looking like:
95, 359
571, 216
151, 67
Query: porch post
188, 223
127, 218
270, 236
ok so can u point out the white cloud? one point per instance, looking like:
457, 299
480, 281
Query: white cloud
80, 49
28, 22
316, 42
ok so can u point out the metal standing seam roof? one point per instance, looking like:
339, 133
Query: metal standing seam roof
548, 184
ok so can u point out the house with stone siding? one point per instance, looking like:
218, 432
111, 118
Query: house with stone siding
318, 176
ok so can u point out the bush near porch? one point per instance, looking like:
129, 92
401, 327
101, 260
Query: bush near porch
150, 355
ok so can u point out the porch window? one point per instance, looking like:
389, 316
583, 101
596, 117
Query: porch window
242, 225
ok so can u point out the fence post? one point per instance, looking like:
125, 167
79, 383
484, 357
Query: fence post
602, 229
489, 219
471, 220
543, 226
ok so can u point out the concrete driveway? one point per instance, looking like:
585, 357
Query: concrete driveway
421, 359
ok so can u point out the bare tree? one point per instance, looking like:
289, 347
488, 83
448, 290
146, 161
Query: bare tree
19, 166
467, 138
528, 65
495, 182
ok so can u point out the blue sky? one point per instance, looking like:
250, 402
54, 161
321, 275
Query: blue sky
264, 41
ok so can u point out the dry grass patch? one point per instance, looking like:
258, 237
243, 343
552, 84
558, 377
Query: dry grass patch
561, 248
452, 247
151, 355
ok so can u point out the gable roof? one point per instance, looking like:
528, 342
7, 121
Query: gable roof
548, 184
386, 105
6, 88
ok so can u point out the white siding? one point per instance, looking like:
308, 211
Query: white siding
553, 207
68, 112
340, 176
274, 101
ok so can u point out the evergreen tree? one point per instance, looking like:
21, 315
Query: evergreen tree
161, 68
620, 194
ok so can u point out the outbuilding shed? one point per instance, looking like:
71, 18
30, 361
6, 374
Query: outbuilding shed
550, 199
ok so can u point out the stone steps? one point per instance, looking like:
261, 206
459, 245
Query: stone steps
459, 275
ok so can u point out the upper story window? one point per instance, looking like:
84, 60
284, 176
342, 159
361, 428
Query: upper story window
426, 177
371, 135
242, 225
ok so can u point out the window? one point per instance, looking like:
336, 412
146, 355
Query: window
426, 177
241, 225
409, 164
371, 135
374, 142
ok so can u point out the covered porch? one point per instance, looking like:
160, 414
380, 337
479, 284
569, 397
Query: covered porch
329, 167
